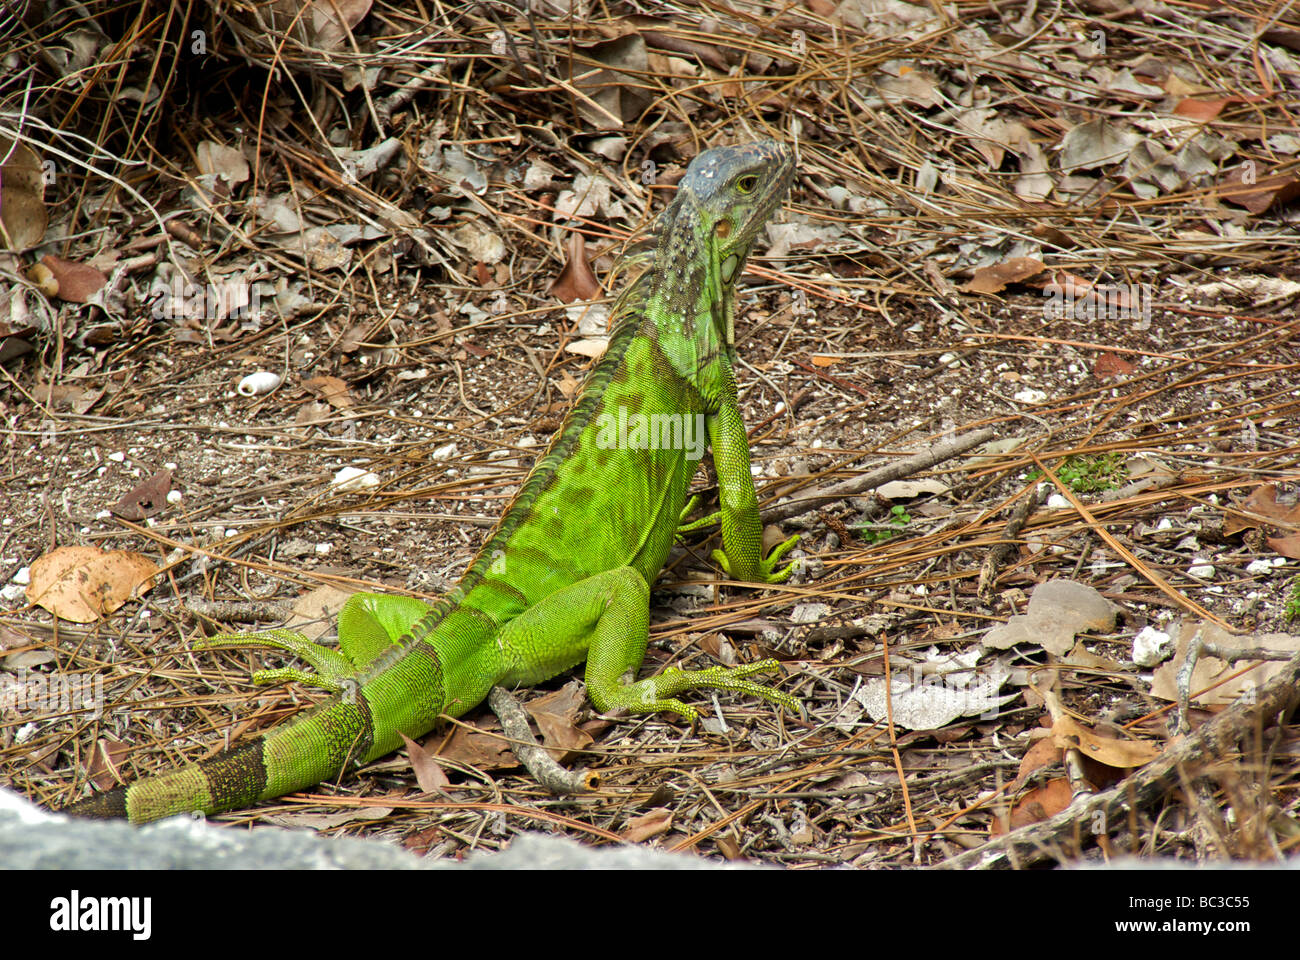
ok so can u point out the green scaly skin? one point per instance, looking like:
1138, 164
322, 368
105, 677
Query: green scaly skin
566, 573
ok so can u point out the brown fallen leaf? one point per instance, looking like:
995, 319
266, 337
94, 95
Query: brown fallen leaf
1202, 111
1037, 805
1041, 753
105, 761
1222, 682
1263, 501
428, 771
78, 282
148, 497
83, 584
651, 824
576, 281
556, 716
1258, 193
330, 389
1068, 732
22, 195
471, 744
1288, 546
1109, 365
995, 279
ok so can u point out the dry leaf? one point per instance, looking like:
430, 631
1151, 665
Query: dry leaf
591, 347
1263, 502
1258, 193
576, 281
148, 497
428, 771
77, 281
83, 584
226, 162
1039, 804
1042, 752
651, 824
105, 761
1109, 365
1212, 672
471, 744
330, 389
1067, 732
22, 196
995, 279
316, 610
556, 716
1058, 609
1202, 111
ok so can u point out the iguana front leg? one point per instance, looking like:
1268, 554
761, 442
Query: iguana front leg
607, 616
741, 555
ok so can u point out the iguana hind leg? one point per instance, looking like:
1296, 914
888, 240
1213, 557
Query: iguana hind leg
607, 615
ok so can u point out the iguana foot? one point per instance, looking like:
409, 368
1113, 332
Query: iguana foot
708, 520
767, 566
656, 693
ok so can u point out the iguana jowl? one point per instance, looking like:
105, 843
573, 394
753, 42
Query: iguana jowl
566, 573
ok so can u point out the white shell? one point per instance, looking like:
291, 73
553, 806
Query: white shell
256, 384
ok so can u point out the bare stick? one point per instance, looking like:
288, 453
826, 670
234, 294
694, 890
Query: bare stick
943, 450
532, 755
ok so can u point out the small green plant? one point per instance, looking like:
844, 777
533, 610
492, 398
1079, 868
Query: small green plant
1291, 606
880, 532
1083, 474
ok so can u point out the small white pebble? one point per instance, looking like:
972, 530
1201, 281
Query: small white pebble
1200, 568
1029, 396
23, 576
1057, 502
1151, 647
117, 456
324, 548
354, 478
174, 496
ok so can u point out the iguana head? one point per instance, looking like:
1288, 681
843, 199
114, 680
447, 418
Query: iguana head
707, 232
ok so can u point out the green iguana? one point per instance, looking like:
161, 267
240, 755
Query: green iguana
566, 573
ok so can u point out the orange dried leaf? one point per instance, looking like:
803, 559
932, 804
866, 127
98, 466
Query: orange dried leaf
330, 389
576, 281
642, 828
83, 584
77, 281
1109, 365
995, 279
1202, 111
1037, 805
1067, 732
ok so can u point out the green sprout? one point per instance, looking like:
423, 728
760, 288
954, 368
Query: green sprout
1091, 474
880, 532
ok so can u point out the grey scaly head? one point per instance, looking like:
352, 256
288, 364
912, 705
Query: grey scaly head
706, 233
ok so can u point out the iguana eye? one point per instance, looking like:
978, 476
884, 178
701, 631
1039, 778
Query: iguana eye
747, 183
